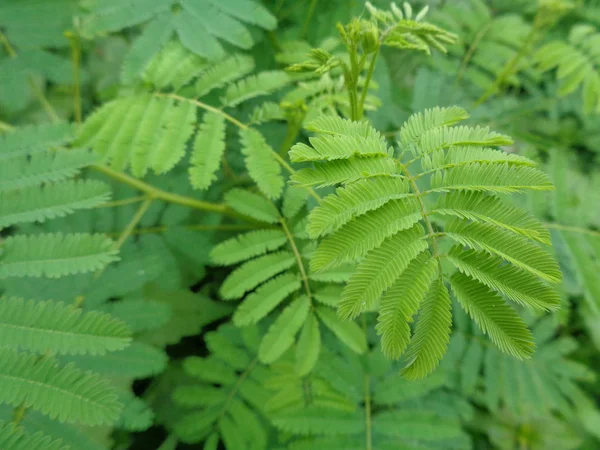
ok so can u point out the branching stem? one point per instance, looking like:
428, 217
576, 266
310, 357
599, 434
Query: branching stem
298, 257
240, 125
135, 220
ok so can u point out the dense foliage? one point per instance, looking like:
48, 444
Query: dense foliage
227, 224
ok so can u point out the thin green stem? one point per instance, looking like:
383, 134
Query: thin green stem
50, 111
75, 41
469, 55
133, 222
509, 68
206, 107
368, 420
198, 227
571, 229
419, 195
123, 202
300, 263
7, 46
363, 97
236, 388
309, 15
159, 194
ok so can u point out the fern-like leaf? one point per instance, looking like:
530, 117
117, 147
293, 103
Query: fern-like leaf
254, 272
420, 123
24, 171
62, 392
501, 178
379, 270
493, 316
254, 86
578, 64
515, 249
223, 72
246, 246
432, 333
174, 66
55, 255
33, 139
142, 131
38, 204
281, 334
479, 207
56, 327
521, 287
209, 146
401, 302
309, 346
266, 298
262, 166
354, 200
366, 232
14, 437
343, 171
252, 205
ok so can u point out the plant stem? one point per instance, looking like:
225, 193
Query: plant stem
432, 234
133, 222
368, 424
76, 62
206, 107
309, 16
236, 387
558, 226
242, 126
298, 257
7, 46
363, 97
163, 195
164, 228
44, 101
509, 68
124, 202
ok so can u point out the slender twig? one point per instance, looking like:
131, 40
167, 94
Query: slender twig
236, 388
558, 226
159, 194
467, 59
206, 107
133, 222
508, 69
7, 46
309, 16
363, 97
50, 111
123, 202
76, 62
194, 227
300, 263
368, 424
